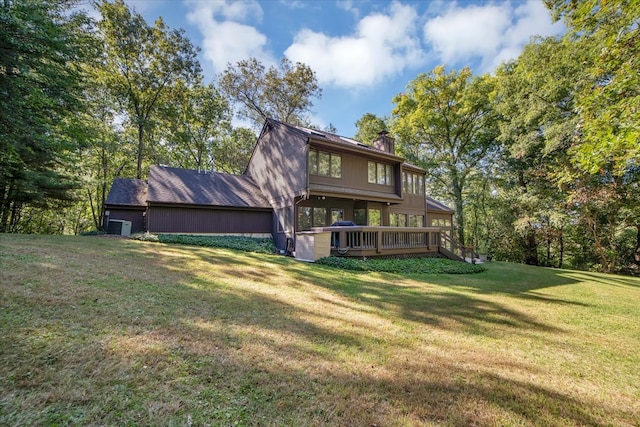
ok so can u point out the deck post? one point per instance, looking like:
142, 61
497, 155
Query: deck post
379, 241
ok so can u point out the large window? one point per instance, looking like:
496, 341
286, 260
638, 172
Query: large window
325, 164
412, 183
379, 173
311, 217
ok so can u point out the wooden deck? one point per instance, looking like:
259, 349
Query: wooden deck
364, 241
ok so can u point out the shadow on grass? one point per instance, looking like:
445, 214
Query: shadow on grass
434, 305
147, 339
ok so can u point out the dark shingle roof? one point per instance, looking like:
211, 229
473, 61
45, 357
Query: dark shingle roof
191, 187
128, 192
435, 205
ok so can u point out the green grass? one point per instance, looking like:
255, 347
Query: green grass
101, 331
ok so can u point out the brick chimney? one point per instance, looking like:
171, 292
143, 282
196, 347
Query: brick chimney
384, 142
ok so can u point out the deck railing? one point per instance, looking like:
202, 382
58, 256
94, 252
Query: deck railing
372, 241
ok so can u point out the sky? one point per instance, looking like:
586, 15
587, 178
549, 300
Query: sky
363, 52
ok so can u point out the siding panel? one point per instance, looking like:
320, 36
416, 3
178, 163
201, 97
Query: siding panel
195, 220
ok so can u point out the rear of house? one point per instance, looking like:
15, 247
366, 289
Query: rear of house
299, 180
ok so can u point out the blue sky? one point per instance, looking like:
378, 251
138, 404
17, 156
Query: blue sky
363, 52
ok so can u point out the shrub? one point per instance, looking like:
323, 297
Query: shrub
407, 265
240, 243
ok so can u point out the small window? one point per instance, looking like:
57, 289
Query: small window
374, 217
337, 215
313, 162
360, 216
398, 220
304, 218
319, 217
416, 220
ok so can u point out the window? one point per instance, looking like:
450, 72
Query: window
360, 216
284, 219
337, 215
325, 164
397, 220
374, 217
304, 218
412, 183
319, 217
379, 173
416, 220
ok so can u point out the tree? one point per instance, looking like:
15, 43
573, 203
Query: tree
142, 65
42, 49
368, 127
198, 120
285, 93
609, 106
445, 123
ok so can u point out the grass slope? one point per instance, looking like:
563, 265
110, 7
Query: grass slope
99, 331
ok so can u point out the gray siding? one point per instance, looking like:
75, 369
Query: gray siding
279, 164
206, 220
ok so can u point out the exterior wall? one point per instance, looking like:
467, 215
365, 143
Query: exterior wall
163, 219
355, 173
135, 215
278, 164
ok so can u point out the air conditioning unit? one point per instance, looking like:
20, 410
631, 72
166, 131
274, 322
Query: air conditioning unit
119, 226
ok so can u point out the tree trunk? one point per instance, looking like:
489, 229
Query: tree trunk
140, 149
457, 195
561, 240
636, 254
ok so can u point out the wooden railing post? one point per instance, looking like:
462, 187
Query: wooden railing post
379, 241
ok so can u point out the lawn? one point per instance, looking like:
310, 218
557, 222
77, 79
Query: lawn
104, 331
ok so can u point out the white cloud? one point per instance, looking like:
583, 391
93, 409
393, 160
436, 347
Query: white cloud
490, 34
226, 39
383, 45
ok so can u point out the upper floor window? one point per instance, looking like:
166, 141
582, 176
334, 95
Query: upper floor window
379, 173
412, 183
325, 164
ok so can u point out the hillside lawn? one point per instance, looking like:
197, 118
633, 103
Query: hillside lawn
106, 331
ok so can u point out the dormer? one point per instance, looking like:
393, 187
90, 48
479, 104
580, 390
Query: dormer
385, 143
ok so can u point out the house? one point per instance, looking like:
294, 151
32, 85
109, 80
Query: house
298, 180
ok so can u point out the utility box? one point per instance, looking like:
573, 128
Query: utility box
312, 245
120, 227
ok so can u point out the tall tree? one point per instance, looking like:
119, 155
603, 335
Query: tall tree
445, 123
142, 65
284, 93
609, 107
368, 126
198, 120
537, 126
41, 48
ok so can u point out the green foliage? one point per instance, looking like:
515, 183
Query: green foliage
239, 243
284, 93
141, 67
609, 102
43, 47
368, 126
403, 266
445, 123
